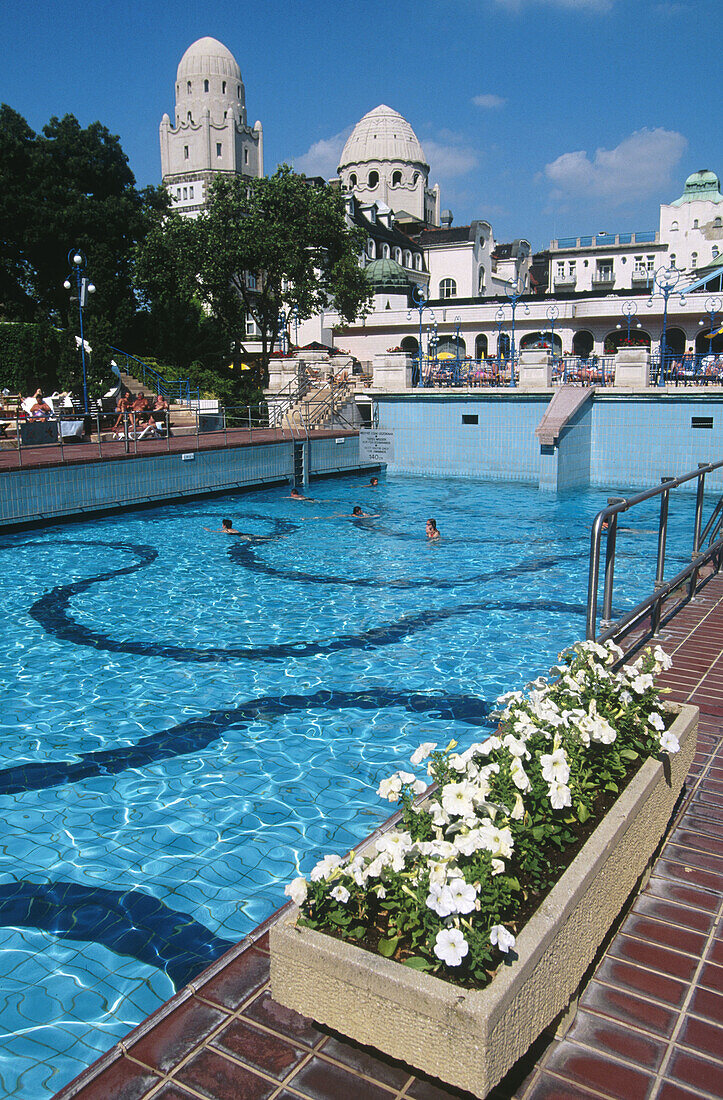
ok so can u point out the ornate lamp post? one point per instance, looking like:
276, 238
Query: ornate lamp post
285, 319
83, 287
629, 309
552, 313
499, 318
420, 303
665, 279
712, 307
514, 291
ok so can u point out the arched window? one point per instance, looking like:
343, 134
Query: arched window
415, 177
695, 223
185, 152
672, 259
674, 227
190, 117
481, 279
188, 88
373, 179
717, 223
715, 252
352, 179
205, 85
238, 91
371, 249
246, 156
418, 261
223, 87
385, 251
694, 260
396, 179
448, 288
398, 255
480, 346
407, 259
219, 149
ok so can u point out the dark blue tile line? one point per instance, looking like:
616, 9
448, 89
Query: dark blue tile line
196, 733
51, 611
127, 922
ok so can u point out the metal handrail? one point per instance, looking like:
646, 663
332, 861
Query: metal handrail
180, 388
607, 518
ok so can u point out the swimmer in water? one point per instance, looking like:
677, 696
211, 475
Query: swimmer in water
227, 528
374, 482
296, 495
432, 532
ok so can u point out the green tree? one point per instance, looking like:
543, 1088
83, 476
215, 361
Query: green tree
272, 244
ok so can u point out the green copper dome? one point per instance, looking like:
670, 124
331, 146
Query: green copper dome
387, 275
703, 185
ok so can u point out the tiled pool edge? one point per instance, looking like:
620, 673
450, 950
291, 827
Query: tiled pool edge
588, 1062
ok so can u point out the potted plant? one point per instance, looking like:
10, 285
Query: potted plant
454, 936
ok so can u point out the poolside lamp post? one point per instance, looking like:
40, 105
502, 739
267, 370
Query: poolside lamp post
712, 307
629, 309
665, 279
420, 303
552, 313
78, 280
499, 318
514, 291
457, 327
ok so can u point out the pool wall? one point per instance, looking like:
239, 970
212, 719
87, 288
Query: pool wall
45, 493
623, 438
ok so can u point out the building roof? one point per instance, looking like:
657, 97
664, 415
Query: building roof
378, 231
382, 134
430, 237
208, 57
702, 186
387, 275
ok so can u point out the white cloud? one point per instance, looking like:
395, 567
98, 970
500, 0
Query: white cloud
639, 165
600, 6
448, 160
489, 100
322, 158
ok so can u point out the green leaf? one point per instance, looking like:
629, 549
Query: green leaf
612, 787
629, 754
582, 814
342, 919
417, 963
388, 947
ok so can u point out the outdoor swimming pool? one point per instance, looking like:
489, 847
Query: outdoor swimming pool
189, 719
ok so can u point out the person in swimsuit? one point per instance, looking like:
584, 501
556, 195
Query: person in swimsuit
432, 532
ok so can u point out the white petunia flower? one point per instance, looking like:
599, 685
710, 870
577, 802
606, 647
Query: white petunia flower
519, 775
450, 946
324, 868
641, 683
516, 746
656, 721
555, 768
518, 810
463, 895
669, 742
340, 893
503, 939
559, 796
662, 659
390, 789
406, 777
440, 900
498, 866
422, 752
297, 890
457, 799
419, 786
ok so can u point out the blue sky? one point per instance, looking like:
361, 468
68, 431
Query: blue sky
545, 117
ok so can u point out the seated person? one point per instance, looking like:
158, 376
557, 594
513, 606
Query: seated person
123, 406
40, 408
161, 404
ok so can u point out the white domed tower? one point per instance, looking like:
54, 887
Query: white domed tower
383, 162
209, 133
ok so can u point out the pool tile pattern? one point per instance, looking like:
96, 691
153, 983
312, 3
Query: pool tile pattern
649, 1024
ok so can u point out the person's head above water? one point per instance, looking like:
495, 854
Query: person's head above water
356, 511
295, 492
432, 532
374, 481
227, 524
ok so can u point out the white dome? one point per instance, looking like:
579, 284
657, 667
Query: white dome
208, 57
382, 135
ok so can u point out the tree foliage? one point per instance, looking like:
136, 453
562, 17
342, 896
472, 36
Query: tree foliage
273, 244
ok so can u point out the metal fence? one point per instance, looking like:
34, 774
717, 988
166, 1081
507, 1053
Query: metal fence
700, 369
566, 370
667, 597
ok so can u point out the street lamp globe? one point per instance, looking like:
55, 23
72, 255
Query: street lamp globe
77, 259
66, 284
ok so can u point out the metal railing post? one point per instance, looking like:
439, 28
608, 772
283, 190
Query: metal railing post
699, 498
656, 609
592, 580
168, 429
198, 427
125, 433
97, 423
224, 413
18, 438
607, 608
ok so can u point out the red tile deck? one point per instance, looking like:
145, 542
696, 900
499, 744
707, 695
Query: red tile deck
649, 1025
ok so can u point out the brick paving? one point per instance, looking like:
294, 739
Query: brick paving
73, 453
649, 1025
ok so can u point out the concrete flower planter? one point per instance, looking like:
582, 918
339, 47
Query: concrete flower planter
469, 1039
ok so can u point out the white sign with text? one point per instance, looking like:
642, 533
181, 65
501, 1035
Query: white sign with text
375, 446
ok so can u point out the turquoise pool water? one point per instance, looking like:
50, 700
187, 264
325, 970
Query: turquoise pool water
189, 719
